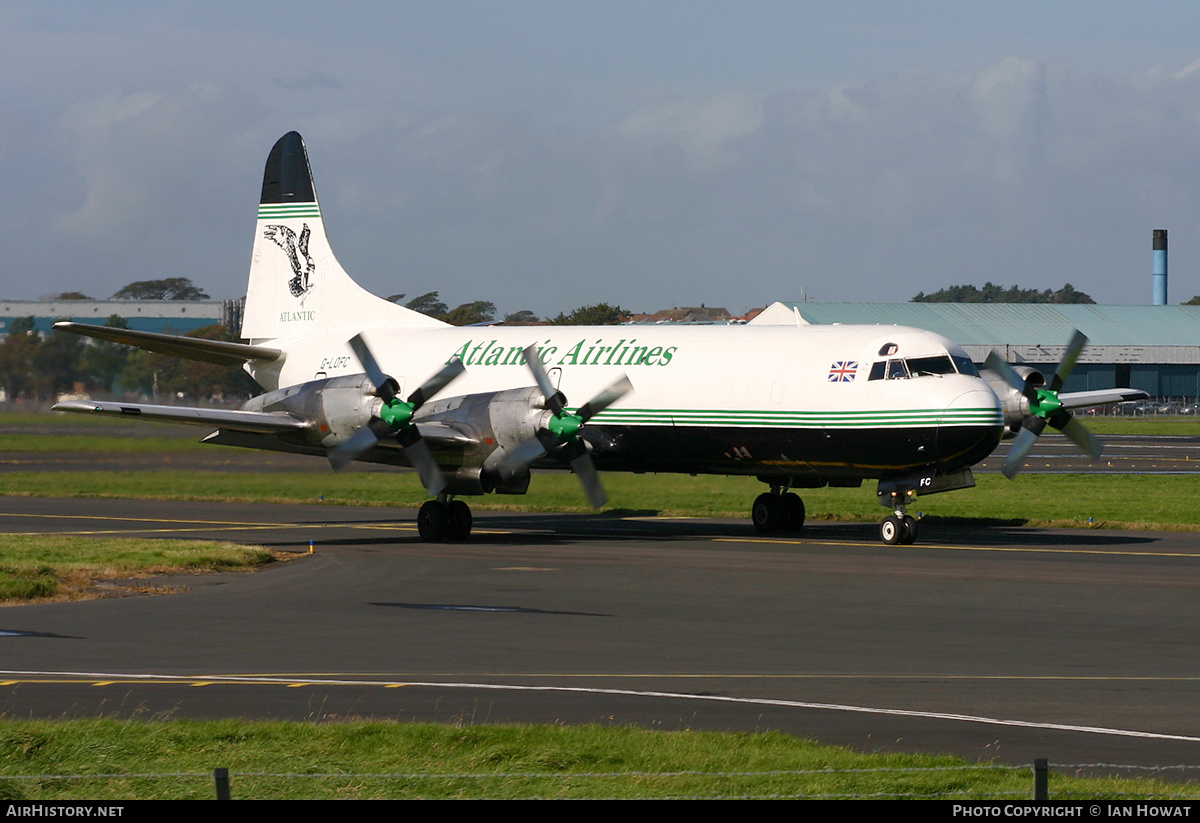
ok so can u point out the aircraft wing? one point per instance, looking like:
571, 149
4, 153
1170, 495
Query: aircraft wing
1100, 397
221, 352
232, 420
249, 421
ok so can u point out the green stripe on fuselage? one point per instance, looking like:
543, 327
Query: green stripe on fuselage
783, 419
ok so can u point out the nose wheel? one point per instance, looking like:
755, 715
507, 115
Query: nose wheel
898, 529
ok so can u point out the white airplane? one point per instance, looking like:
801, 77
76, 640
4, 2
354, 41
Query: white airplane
797, 406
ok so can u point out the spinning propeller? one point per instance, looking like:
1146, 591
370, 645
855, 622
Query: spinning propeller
395, 417
562, 431
1045, 406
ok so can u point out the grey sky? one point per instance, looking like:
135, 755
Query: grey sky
544, 155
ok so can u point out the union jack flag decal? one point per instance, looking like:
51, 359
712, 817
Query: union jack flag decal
843, 371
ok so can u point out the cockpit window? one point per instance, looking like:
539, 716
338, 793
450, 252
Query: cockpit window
940, 364
919, 366
965, 366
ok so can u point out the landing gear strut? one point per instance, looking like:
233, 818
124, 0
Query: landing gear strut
777, 510
899, 528
444, 519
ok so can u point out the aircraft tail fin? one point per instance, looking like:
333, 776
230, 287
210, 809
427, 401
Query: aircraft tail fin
297, 287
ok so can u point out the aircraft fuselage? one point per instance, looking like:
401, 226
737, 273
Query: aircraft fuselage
796, 401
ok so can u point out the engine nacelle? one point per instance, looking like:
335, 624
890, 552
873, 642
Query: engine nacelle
1014, 403
486, 426
497, 422
338, 406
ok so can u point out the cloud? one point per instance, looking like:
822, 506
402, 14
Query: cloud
700, 129
132, 151
312, 81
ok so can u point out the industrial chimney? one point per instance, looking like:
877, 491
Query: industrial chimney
1160, 267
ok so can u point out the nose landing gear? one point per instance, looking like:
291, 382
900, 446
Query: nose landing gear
899, 528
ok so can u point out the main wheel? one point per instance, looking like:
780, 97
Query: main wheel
431, 521
891, 530
766, 513
458, 520
792, 512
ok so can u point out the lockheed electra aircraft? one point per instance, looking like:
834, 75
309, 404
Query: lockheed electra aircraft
350, 376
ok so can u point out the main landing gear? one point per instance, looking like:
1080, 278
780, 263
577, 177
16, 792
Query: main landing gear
778, 510
444, 519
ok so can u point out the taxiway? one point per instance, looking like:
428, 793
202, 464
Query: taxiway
991, 643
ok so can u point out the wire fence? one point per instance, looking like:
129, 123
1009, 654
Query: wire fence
976, 784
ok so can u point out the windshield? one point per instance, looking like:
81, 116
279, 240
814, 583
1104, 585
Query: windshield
941, 364
900, 369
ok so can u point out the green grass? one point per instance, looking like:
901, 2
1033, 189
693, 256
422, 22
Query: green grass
361, 759
1179, 426
34, 566
54, 443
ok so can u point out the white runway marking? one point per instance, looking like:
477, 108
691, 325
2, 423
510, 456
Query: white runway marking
106, 677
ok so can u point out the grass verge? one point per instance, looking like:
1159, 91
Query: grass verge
117, 760
64, 567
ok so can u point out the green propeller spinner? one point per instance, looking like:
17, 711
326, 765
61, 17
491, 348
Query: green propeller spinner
1045, 407
395, 415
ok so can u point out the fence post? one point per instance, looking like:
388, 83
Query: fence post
1041, 771
221, 776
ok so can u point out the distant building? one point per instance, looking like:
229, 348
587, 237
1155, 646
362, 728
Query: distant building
165, 316
685, 314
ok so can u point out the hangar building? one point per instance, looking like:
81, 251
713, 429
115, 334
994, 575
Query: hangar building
165, 316
1152, 348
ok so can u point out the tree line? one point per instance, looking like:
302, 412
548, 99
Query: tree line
991, 293
39, 367
483, 311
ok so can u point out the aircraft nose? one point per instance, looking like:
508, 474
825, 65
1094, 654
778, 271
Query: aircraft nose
969, 428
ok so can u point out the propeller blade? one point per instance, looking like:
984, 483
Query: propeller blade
585, 469
1020, 448
534, 361
1078, 341
562, 433
1080, 435
605, 399
371, 366
1001, 367
363, 440
447, 374
521, 457
427, 467
399, 418
1045, 406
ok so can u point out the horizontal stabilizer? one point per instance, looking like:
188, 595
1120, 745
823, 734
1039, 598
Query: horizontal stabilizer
221, 352
249, 421
1100, 397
